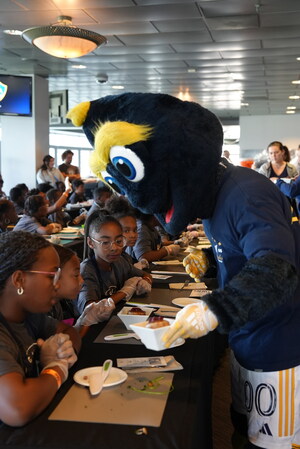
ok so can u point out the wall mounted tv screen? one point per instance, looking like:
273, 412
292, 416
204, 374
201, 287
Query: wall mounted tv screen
15, 95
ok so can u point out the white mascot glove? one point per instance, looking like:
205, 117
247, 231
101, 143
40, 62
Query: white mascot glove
172, 250
143, 287
96, 312
196, 264
193, 321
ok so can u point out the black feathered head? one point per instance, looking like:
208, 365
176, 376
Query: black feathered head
159, 151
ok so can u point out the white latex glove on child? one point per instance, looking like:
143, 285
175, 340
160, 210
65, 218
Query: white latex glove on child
193, 321
96, 312
143, 287
51, 356
142, 264
172, 250
183, 241
129, 287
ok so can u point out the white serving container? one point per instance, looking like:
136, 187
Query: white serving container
151, 337
128, 319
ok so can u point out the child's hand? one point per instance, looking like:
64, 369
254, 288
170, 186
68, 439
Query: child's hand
129, 287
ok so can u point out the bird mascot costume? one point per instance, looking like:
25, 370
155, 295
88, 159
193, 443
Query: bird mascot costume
164, 154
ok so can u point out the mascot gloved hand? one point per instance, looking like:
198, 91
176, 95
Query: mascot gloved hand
193, 321
196, 264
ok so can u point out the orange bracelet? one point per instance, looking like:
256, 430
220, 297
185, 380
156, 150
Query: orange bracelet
54, 374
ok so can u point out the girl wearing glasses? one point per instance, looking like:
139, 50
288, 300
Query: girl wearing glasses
105, 273
69, 288
36, 351
120, 208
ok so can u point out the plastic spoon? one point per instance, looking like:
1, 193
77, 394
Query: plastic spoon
121, 336
96, 380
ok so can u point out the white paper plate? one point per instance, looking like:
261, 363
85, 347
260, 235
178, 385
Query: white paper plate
115, 377
69, 230
182, 302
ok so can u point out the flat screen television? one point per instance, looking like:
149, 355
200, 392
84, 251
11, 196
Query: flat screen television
15, 95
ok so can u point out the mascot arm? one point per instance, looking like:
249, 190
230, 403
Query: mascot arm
263, 284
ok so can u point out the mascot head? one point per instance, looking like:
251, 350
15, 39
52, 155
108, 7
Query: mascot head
159, 151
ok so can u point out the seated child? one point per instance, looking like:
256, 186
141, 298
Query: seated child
149, 245
69, 288
120, 208
100, 195
105, 273
8, 215
29, 379
35, 217
78, 195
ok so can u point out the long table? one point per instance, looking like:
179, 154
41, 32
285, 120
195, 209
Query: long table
186, 422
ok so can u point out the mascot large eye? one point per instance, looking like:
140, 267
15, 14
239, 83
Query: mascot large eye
127, 163
112, 182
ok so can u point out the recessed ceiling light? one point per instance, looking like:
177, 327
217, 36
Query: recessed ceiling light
291, 107
78, 66
13, 32
296, 82
244, 104
191, 70
290, 112
294, 97
117, 87
298, 59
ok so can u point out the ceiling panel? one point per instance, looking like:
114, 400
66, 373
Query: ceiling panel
221, 52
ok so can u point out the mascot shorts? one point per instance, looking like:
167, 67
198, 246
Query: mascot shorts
271, 403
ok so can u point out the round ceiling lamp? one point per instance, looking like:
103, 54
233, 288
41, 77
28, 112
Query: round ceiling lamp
63, 39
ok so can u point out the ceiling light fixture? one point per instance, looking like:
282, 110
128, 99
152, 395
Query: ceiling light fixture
13, 32
291, 107
290, 112
63, 39
118, 87
294, 97
296, 82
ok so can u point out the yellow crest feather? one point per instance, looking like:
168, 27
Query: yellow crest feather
78, 114
110, 134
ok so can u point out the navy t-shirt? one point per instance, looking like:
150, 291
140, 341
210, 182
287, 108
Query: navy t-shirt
251, 219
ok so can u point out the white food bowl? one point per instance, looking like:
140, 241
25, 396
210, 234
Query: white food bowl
128, 318
152, 337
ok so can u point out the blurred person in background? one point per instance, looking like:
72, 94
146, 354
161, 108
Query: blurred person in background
66, 168
277, 167
48, 173
8, 215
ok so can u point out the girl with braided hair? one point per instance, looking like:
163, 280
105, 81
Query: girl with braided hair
36, 351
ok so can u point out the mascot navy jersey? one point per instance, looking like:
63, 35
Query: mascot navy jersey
164, 154
255, 217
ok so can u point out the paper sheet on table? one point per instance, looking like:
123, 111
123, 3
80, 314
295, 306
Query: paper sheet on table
199, 293
160, 276
172, 273
191, 286
116, 405
167, 262
172, 365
